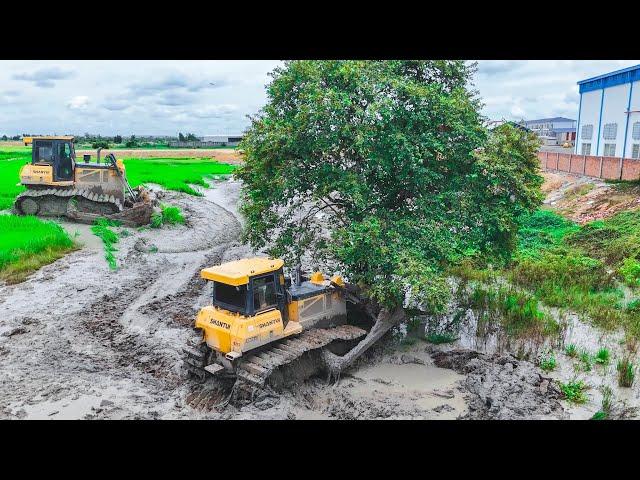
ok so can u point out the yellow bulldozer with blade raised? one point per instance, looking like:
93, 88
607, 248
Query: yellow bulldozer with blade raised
60, 186
258, 322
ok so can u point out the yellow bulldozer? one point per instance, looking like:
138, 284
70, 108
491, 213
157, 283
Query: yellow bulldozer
57, 185
258, 322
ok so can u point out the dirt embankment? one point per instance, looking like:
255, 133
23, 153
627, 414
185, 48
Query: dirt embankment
583, 199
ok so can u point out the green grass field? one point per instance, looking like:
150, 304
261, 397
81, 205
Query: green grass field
174, 173
11, 161
28, 243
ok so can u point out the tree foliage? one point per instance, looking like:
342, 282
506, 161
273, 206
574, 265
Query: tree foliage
385, 169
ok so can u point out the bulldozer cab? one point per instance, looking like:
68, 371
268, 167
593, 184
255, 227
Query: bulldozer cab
248, 287
58, 152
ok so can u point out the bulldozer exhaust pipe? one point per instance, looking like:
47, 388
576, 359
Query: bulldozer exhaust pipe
99, 149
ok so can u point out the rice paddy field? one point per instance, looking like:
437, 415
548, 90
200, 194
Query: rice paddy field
27, 243
176, 174
12, 158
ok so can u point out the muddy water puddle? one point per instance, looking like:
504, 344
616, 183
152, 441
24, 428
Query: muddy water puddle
420, 390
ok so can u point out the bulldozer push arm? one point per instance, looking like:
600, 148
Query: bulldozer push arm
112, 159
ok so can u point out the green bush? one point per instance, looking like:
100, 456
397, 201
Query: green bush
630, 272
541, 230
438, 338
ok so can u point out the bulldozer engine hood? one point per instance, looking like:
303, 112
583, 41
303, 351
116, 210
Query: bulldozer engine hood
224, 331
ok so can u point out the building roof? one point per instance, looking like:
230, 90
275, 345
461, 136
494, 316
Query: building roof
238, 272
611, 79
553, 119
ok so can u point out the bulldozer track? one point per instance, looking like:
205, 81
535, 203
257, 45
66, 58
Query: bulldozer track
255, 368
253, 371
68, 193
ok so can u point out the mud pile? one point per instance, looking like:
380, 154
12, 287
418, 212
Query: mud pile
502, 387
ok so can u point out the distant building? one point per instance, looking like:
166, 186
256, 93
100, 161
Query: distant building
223, 140
553, 131
609, 114
209, 141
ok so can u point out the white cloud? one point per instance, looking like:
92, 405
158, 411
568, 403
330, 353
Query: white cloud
79, 102
214, 111
44, 77
517, 111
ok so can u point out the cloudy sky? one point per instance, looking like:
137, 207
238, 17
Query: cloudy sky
208, 97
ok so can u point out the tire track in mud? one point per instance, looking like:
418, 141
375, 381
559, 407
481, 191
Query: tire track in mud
102, 321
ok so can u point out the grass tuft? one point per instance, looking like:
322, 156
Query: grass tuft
586, 359
626, 372
602, 357
571, 350
548, 363
518, 312
574, 391
169, 215
109, 238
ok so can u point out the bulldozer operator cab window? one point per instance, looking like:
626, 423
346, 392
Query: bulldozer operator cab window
230, 297
43, 153
264, 293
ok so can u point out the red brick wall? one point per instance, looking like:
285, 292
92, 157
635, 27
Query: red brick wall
610, 168
631, 169
564, 162
592, 167
577, 164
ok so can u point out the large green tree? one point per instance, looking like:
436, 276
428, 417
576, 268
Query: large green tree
395, 156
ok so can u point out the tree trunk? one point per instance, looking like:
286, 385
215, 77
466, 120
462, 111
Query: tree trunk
384, 321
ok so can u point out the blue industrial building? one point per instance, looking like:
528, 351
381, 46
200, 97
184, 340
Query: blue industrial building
609, 114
